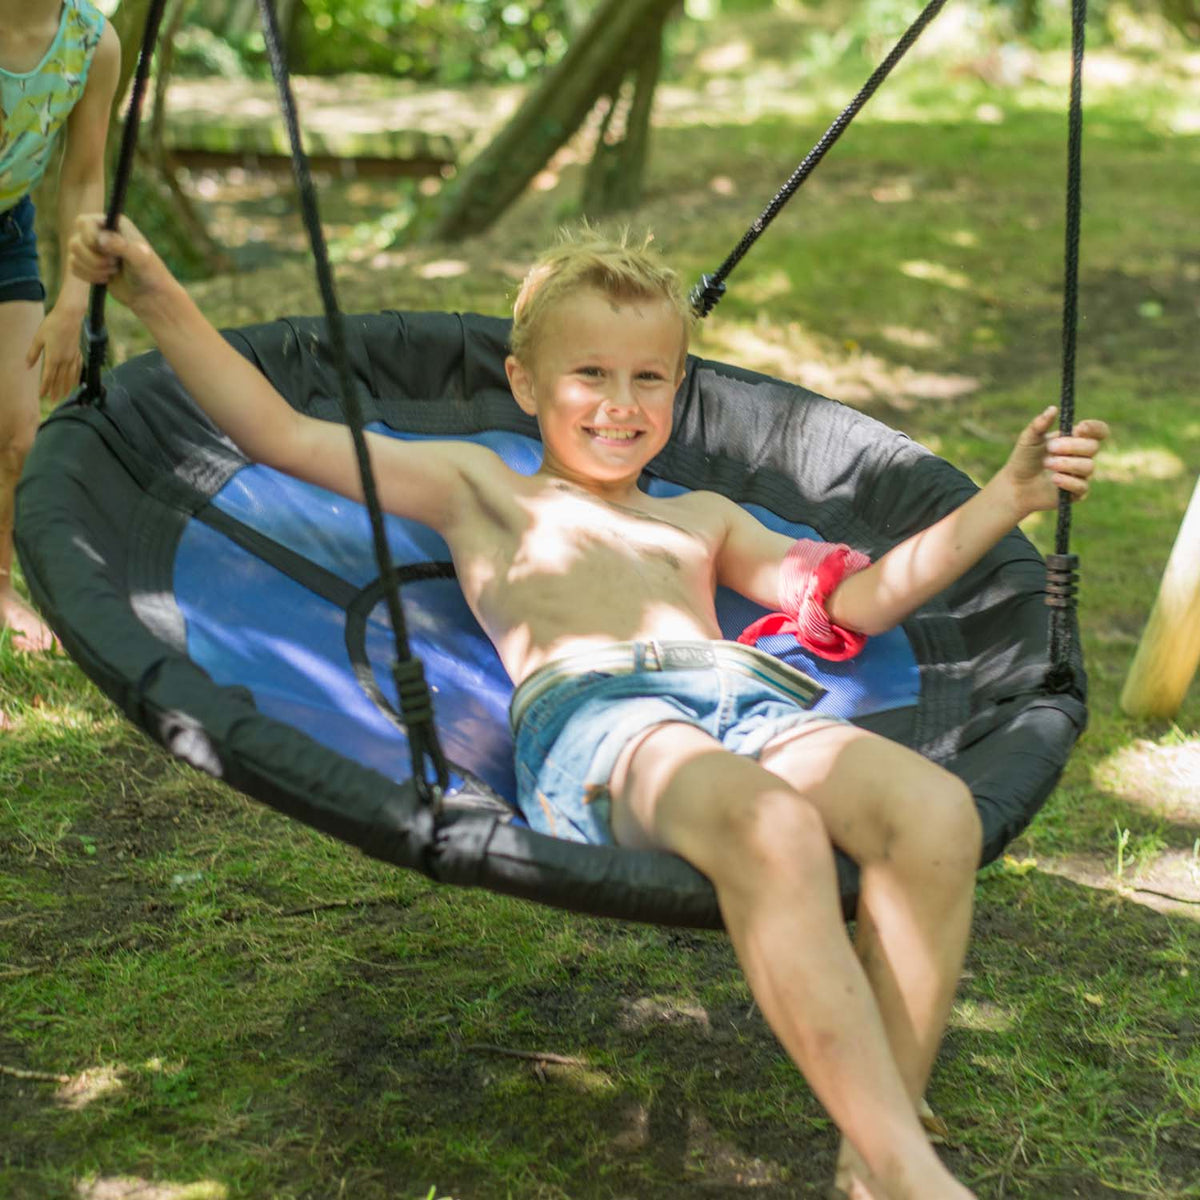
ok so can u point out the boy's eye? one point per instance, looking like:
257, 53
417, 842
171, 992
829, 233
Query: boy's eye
591, 372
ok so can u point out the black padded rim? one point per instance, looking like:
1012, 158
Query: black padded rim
107, 492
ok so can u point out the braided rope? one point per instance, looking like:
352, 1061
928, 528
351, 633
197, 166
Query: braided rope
94, 329
712, 287
415, 704
1061, 573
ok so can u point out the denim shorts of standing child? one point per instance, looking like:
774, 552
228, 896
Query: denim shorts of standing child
20, 278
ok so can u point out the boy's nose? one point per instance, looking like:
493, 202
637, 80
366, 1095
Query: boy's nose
621, 397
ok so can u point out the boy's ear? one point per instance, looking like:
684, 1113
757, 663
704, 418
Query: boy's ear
521, 385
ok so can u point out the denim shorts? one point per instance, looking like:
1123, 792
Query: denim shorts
570, 735
20, 278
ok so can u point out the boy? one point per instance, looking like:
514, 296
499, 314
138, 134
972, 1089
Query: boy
600, 602
59, 64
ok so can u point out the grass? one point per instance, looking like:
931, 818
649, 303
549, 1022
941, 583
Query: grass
243, 1009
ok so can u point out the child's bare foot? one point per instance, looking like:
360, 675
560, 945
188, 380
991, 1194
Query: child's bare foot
29, 632
852, 1180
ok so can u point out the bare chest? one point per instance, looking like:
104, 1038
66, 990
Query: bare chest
597, 542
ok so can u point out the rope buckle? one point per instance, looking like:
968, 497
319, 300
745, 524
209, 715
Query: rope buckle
1062, 580
706, 294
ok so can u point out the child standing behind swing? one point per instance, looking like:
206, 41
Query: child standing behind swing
59, 64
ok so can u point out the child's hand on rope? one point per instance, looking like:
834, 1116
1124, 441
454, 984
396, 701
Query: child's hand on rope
1045, 461
122, 260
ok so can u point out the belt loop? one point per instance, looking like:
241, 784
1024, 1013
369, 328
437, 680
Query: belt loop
656, 647
639, 656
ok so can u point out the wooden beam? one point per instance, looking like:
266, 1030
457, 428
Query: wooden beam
1169, 652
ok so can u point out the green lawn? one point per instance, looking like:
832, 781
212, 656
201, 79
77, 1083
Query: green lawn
199, 999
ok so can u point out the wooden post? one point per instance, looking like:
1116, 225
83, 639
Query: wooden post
1169, 651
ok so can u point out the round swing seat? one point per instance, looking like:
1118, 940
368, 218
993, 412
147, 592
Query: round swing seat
235, 614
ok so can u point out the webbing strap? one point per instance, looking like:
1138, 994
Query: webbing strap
94, 329
1062, 565
711, 288
415, 704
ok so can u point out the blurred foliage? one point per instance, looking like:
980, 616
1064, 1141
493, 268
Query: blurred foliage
454, 42
429, 41
446, 41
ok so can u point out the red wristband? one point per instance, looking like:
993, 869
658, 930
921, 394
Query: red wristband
808, 575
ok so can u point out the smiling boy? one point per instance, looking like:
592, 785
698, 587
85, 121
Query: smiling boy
634, 720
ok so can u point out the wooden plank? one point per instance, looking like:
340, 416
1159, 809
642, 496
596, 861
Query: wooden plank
1169, 652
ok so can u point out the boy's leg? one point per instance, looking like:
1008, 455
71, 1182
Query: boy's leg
913, 829
19, 320
915, 833
768, 853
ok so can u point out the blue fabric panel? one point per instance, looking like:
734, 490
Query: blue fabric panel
884, 675
249, 624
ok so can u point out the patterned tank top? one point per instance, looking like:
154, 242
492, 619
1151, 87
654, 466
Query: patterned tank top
34, 105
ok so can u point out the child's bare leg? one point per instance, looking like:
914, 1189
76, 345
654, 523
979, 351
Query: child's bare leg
768, 853
915, 833
19, 320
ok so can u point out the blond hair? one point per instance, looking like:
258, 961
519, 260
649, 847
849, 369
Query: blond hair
585, 258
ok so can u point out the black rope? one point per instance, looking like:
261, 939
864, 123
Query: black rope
409, 674
1062, 565
711, 288
94, 329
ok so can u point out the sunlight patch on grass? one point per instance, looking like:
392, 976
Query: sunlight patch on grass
127, 1187
729, 56
1162, 778
648, 1011
90, 1085
935, 273
913, 339
722, 1163
1166, 881
1137, 466
983, 1016
443, 268
860, 379
767, 286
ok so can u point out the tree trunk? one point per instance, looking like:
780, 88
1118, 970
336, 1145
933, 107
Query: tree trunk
1185, 16
614, 40
154, 155
614, 176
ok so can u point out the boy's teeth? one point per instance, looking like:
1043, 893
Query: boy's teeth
624, 434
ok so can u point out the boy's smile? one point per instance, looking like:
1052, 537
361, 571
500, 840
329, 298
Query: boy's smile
602, 385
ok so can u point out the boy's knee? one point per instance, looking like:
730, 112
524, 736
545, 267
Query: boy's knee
951, 825
776, 830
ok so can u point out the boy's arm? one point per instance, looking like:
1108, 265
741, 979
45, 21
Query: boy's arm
423, 481
913, 572
80, 190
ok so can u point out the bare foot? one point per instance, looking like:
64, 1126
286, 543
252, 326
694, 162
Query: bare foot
29, 632
852, 1180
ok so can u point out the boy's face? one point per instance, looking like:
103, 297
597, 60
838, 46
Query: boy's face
602, 385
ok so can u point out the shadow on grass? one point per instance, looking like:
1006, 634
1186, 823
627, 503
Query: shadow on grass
1065, 1071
